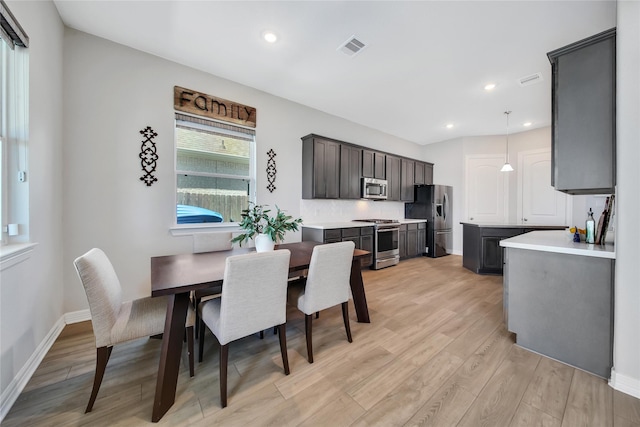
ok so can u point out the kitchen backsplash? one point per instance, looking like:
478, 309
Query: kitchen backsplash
314, 211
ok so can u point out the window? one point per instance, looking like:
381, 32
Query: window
215, 170
14, 128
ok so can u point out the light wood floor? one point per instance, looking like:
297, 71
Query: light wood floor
436, 353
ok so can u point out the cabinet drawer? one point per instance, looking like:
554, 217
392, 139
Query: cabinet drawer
366, 231
412, 226
351, 232
333, 234
422, 225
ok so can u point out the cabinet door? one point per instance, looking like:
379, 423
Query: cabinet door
583, 115
379, 166
366, 244
367, 163
422, 241
418, 177
491, 253
326, 171
428, 173
406, 180
393, 178
412, 242
402, 243
350, 172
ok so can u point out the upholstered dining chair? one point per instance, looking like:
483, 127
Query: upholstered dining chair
208, 242
327, 285
115, 321
254, 298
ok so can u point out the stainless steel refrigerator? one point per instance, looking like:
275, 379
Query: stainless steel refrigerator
433, 203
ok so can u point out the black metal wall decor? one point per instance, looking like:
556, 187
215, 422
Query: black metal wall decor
148, 156
271, 170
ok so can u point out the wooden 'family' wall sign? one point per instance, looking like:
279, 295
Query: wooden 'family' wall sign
201, 104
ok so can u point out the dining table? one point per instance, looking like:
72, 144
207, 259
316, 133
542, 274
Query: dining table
175, 276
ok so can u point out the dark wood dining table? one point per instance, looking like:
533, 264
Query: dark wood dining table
176, 276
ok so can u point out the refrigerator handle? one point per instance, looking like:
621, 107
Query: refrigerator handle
446, 207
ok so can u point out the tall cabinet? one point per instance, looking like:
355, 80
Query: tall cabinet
584, 115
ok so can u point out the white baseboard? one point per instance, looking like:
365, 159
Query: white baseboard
77, 316
625, 384
12, 392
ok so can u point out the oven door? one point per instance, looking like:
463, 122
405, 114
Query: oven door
387, 242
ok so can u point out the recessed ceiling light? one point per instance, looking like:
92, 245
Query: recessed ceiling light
270, 36
490, 86
449, 125
527, 124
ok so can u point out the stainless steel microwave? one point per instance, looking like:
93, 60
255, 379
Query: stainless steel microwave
374, 189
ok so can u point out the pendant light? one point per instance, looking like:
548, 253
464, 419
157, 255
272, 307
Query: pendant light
507, 166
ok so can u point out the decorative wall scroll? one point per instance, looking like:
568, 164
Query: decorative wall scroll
148, 156
201, 104
271, 170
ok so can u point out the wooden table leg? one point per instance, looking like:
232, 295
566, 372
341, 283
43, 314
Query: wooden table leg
170, 355
357, 289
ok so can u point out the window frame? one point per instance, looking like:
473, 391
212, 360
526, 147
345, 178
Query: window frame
222, 128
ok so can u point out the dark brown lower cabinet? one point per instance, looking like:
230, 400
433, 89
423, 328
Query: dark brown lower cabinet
361, 236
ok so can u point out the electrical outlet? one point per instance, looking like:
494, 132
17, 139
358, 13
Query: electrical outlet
22, 176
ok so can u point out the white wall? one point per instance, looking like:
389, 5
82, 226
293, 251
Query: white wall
31, 292
626, 354
111, 92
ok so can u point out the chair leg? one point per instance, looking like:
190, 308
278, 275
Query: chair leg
189, 331
345, 317
102, 357
201, 341
307, 327
283, 347
196, 302
224, 358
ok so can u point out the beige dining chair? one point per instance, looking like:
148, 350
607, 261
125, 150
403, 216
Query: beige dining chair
208, 242
254, 298
327, 285
115, 321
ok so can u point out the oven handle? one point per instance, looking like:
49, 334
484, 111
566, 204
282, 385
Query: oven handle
387, 229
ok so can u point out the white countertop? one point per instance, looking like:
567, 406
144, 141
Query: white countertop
558, 241
349, 224
509, 225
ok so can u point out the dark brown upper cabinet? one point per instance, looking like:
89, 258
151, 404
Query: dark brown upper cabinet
350, 171
583, 96
320, 168
373, 164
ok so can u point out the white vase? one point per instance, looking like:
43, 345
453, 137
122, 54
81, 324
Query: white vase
264, 243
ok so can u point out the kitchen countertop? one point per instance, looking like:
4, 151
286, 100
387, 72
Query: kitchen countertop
558, 241
511, 225
349, 224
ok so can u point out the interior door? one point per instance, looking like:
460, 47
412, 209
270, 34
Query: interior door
538, 202
486, 189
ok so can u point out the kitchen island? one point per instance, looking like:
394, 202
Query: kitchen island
481, 252
558, 298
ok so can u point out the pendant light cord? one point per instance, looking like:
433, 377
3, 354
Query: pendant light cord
507, 113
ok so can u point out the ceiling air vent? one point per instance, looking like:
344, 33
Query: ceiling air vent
530, 80
352, 46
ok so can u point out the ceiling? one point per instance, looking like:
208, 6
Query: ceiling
424, 66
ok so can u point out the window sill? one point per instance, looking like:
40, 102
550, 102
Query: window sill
13, 254
189, 229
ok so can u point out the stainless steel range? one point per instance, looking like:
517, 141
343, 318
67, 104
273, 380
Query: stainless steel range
385, 248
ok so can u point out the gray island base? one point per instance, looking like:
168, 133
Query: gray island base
561, 304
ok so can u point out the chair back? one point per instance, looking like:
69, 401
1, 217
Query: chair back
211, 242
254, 294
328, 279
103, 290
